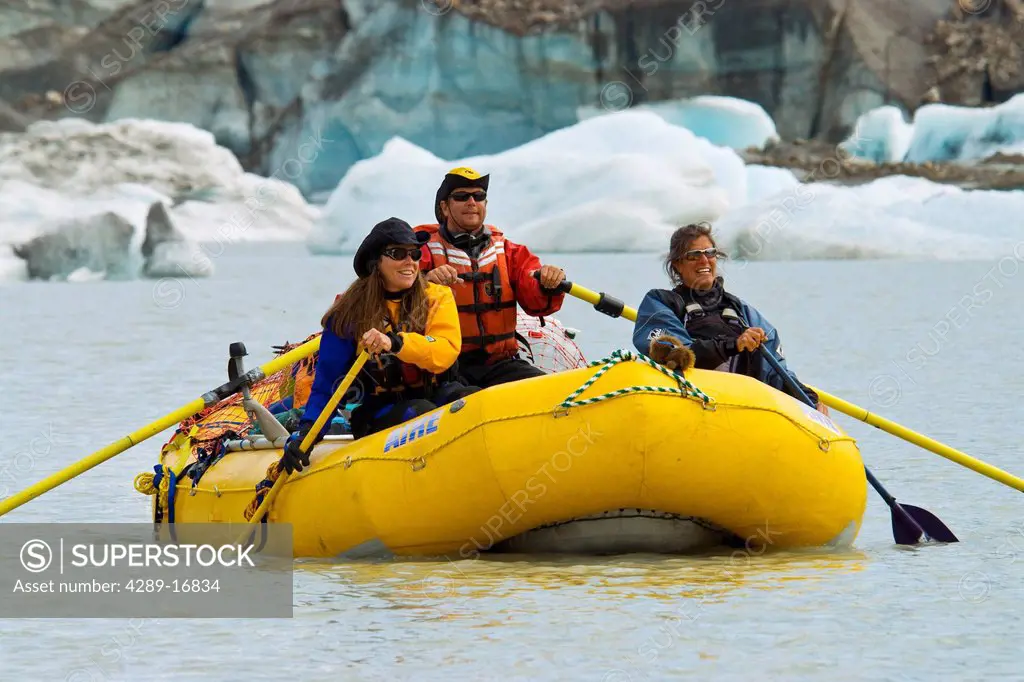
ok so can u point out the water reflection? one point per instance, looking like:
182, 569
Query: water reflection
456, 585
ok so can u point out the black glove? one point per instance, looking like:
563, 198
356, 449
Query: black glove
294, 459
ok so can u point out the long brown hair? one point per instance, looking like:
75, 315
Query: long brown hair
363, 307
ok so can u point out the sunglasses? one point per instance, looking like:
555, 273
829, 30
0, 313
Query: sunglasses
479, 196
710, 252
399, 253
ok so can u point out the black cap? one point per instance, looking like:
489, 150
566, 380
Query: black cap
390, 231
462, 176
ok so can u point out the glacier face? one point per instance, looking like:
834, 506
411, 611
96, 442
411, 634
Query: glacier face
266, 77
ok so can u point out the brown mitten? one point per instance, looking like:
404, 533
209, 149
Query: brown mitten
670, 352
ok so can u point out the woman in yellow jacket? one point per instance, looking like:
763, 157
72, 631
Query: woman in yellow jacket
409, 326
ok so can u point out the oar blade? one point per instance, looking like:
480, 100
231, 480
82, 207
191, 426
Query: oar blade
933, 527
904, 532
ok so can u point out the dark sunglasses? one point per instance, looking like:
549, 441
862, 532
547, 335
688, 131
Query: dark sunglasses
479, 196
710, 252
399, 252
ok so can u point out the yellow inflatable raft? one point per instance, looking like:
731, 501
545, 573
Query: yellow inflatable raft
621, 456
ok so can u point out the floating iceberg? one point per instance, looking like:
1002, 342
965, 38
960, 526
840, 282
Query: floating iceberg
617, 182
620, 182
724, 121
940, 132
625, 181
947, 133
881, 135
891, 217
64, 173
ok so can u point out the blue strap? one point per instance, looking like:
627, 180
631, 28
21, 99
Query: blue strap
171, 489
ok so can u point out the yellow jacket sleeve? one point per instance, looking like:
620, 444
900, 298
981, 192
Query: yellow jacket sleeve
437, 349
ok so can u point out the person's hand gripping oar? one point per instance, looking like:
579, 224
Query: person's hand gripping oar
305, 447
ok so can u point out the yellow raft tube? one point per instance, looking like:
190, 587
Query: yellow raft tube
620, 457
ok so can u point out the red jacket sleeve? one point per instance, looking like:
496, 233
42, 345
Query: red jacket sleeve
531, 298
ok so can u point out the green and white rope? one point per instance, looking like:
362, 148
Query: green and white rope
685, 389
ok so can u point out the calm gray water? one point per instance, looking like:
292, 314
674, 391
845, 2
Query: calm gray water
85, 364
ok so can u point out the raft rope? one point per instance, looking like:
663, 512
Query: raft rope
262, 488
163, 483
685, 388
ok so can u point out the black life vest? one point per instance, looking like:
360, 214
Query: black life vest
715, 320
710, 324
388, 374
717, 317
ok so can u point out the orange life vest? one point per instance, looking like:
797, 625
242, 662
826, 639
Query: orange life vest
485, 299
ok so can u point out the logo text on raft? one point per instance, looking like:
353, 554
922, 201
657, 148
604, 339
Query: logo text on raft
411, 431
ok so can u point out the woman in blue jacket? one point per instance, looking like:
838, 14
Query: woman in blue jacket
409, 326
722, 331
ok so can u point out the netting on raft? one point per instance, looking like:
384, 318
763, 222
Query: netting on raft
548, 345
552, 347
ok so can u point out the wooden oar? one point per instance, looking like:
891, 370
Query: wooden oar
171, 419
306, 444
909, 523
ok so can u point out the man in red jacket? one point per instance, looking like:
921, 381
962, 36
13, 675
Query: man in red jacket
489, 277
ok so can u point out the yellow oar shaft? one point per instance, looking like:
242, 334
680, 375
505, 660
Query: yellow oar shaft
136, 437
860, 413
100, 456
921, 440
306, 444
596, 299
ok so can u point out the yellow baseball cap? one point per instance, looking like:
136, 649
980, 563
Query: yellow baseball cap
462, 176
